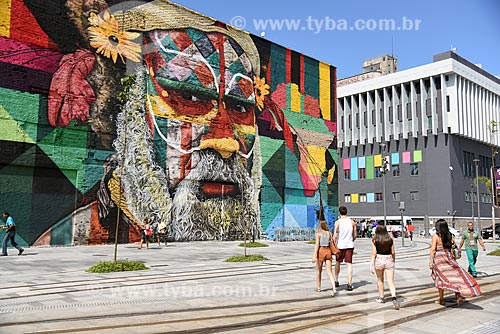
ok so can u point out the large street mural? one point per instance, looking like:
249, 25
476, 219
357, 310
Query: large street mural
113, 112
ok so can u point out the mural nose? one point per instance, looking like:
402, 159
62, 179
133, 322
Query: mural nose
220, 135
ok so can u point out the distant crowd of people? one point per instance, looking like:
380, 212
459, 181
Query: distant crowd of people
446, 273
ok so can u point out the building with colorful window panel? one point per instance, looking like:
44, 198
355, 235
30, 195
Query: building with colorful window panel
432, 123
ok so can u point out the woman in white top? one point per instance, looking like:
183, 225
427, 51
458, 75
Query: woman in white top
322, 254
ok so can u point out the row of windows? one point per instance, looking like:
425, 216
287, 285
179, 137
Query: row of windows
469, 166
376, 197
395, 170
472, 197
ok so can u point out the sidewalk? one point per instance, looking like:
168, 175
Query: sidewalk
189, 289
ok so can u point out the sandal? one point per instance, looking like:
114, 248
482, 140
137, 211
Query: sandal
333, 293
317, 290
460, 301
440, 302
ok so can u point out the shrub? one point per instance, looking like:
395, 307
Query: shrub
120, 265
254, 244
248, 258
496, 252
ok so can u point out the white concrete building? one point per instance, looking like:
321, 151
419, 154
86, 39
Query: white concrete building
434, 120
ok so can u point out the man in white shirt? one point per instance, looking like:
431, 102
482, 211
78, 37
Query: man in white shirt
345, 234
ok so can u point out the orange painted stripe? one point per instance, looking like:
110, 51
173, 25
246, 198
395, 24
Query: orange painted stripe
288, 65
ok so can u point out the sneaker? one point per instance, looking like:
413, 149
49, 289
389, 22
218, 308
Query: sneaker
474, 275
21, 251
337, 284
3, 255
349, 287
380, 300
395, 303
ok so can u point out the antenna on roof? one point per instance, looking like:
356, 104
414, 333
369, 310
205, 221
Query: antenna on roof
392, 46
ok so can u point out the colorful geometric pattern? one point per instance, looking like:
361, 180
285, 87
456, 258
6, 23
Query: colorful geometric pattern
50, 176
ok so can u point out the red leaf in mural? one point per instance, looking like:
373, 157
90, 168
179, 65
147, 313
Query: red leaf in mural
70, 93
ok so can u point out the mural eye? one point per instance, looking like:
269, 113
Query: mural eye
237, 106
190, 97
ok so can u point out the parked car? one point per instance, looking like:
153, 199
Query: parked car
453, 231
486, 232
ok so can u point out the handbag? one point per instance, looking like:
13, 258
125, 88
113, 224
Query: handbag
455, 252
333, 247
149, 232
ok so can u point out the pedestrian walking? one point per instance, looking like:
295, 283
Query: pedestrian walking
383, 262
146, 233
411, 228
10, 234
344, 236
155, 227
445, 270
322, 254
471, 238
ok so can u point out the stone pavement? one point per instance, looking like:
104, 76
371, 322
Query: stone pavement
190, 289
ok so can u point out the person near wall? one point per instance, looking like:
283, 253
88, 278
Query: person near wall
383, 262
322, 254
445, 270
471, 238
345, 234
10, 234
146, 232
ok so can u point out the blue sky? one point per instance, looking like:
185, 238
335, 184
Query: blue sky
327, 32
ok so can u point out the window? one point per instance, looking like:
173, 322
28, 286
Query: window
396, 196
379, 197
414, 195
468, 164
395, 170
347, 174
378, 172
467, 196
414, 169
362, 198
362, 173
347, 198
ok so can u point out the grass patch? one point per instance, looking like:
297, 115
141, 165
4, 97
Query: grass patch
120, 265
248, 258
496, 252
254, 244
312, 242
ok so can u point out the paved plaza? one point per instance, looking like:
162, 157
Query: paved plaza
190, 289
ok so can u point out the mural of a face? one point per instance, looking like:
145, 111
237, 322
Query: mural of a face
202, 101
184, 149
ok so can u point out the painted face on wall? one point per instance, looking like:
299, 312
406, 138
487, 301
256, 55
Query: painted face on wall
201, 101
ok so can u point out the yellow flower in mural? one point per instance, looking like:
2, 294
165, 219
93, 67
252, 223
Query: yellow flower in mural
106, 37
261, 90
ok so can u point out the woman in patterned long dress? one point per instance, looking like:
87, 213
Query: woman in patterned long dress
446, 272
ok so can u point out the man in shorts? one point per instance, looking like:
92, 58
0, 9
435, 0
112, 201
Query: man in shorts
345, 234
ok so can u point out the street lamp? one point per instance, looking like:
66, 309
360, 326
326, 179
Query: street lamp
385, 169
472, 201
476, 162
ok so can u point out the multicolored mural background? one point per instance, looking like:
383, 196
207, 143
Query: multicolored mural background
216, 131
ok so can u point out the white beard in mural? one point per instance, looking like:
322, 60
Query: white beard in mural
199, 215
218, 198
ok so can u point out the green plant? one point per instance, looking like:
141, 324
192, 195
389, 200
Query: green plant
247, 258
496, 252
120, 265
311, 242
253, 244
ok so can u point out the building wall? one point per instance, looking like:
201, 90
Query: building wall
438, 115
72, 160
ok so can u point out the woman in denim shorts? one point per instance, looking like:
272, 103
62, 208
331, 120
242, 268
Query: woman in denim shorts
383, 258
